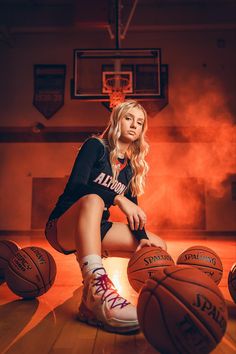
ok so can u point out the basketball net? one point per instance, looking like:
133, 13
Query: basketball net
116, 97
116, 87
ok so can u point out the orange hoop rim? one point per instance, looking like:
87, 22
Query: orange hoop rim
113, 88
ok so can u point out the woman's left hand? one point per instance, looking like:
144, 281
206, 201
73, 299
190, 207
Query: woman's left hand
144, 243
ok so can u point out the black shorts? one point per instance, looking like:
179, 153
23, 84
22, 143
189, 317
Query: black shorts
51, 234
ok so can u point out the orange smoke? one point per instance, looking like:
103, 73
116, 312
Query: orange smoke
190, 160
198, 161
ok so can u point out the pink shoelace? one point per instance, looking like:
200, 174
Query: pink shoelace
104, 284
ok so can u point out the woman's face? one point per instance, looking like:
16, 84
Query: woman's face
132, 125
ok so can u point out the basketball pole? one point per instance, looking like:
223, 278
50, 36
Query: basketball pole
117, 62
117, 23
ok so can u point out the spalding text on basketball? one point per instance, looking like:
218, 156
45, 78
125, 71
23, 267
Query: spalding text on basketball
21, 263
39, 255
205, 305
161, 257
202, 257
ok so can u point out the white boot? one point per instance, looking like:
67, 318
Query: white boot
102, 306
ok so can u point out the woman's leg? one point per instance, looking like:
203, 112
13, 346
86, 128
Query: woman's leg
79, 228
120, 242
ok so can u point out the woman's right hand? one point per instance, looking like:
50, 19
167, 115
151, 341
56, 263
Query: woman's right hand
135, 215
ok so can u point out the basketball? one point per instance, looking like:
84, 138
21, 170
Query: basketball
204, 259
232, 282
31, 272
145, 263
7, 250
182, 310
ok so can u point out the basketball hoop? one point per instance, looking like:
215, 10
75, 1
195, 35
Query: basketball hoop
116, 85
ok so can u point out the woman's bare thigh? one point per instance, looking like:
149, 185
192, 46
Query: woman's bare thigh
81, 223
120, 242
66, 228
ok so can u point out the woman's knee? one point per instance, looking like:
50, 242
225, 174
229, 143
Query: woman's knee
91, 201
113, 242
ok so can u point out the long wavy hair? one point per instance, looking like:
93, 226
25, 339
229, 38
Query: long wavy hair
137, 150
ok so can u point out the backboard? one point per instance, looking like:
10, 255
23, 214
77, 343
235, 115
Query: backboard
134, 71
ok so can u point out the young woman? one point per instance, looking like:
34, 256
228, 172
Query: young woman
109, 170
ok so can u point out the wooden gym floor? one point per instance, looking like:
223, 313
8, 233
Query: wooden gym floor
48, 325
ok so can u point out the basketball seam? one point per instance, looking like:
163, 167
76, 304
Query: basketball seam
175, 342
22, 277
144, 312
49, 269
3, 259
191, 282
7, 245
138, 281
37, 269
201, 265
202, 248
182, 300
151, 294
189, 312
151, 267
184, 303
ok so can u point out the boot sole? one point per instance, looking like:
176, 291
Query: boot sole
87, 316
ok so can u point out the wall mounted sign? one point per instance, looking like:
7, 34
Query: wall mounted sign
49, 87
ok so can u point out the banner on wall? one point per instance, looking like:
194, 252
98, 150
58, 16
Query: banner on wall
49, 87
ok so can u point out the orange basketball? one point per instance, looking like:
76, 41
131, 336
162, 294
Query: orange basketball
204, 259
7, 250
181, 310
31, 272
145, 263
232, 282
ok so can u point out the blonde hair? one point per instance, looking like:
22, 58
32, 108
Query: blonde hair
137, 150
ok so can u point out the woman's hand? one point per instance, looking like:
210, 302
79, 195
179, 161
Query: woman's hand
135, 215
144, 243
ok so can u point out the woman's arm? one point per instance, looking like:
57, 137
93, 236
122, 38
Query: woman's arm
135, 215
129, 205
